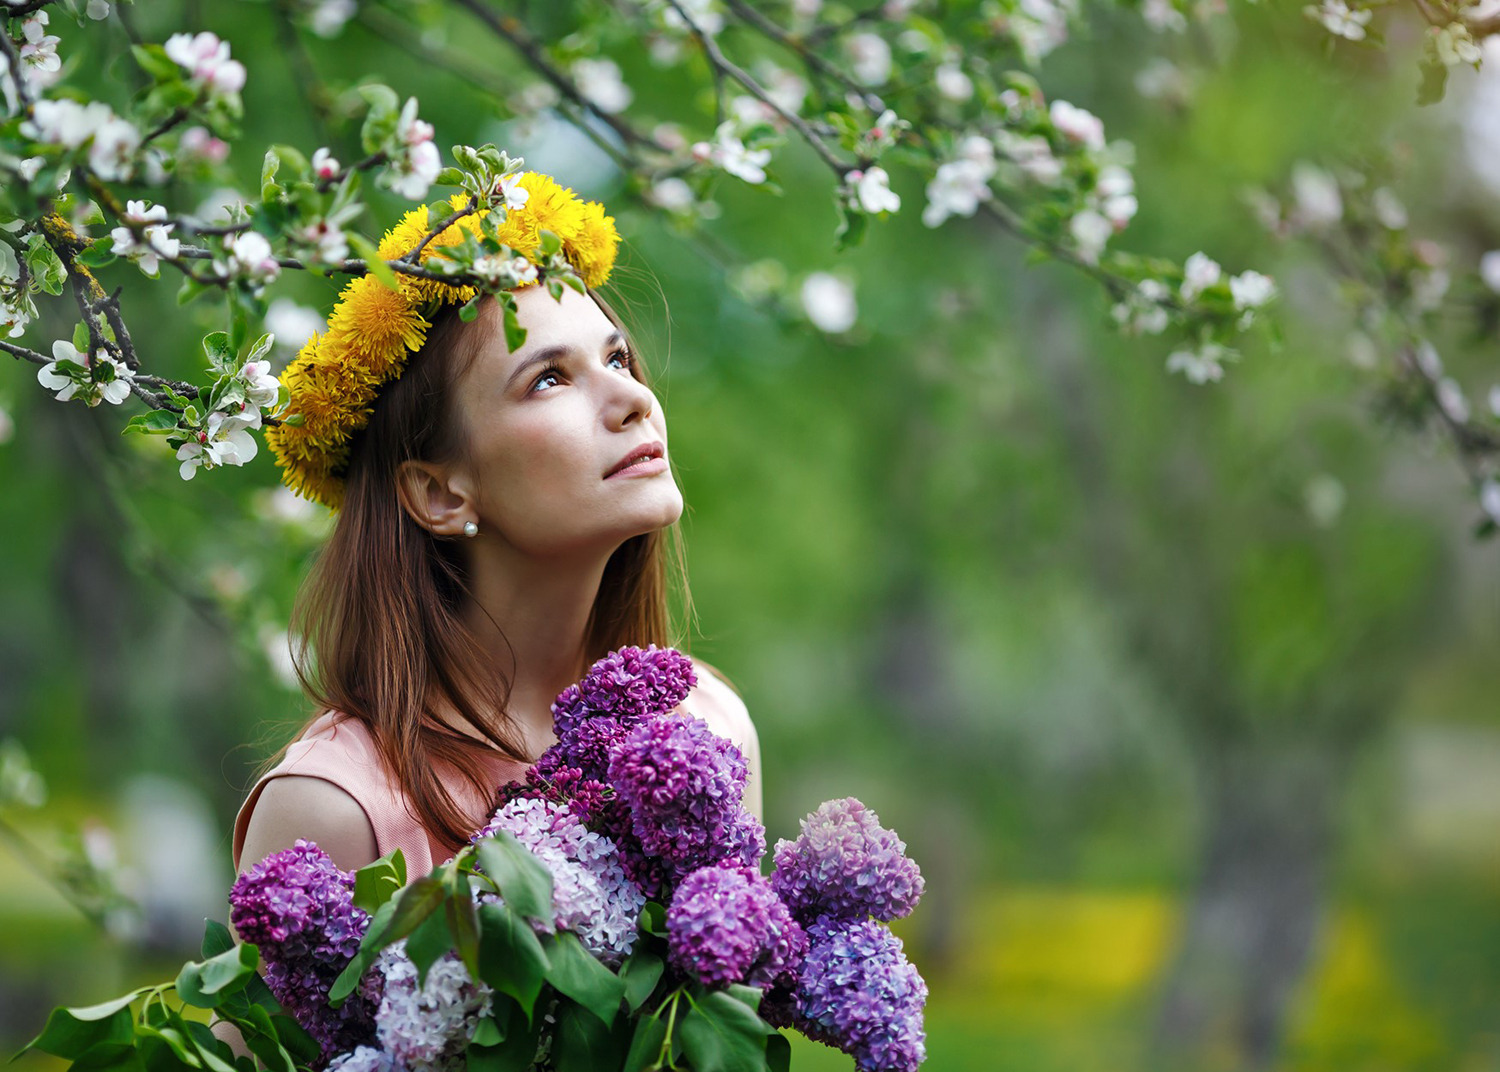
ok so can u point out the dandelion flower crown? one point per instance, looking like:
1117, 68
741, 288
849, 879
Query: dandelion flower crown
334, 380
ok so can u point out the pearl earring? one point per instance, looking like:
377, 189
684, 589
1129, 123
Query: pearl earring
471, 528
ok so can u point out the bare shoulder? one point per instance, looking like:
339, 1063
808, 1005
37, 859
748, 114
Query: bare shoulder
718, 703
300, 806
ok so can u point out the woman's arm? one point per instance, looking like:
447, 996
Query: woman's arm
299, 806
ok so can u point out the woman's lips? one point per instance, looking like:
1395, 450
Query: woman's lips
643, 467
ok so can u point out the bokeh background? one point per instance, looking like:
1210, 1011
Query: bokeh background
1185, 698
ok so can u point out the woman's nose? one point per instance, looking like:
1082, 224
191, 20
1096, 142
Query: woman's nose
633, 402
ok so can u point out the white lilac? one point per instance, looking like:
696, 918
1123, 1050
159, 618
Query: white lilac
427, 1028
590, 894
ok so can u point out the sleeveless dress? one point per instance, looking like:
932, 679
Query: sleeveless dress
340, 750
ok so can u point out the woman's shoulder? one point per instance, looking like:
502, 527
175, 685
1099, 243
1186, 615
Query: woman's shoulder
715, 700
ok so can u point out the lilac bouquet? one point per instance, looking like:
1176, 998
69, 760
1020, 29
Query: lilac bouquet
610, 915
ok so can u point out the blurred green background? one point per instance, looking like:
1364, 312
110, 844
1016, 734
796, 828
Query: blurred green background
1184, 698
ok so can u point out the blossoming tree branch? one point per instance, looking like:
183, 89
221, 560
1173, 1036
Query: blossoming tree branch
950, 99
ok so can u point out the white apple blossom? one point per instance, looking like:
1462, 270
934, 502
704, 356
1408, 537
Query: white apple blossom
16, 307
324, 164
261, 387
869, 58
1428, 360
292, 324
326, 240
1323, 497
1251, 289
1200, 366
952, 82
1037, 26
1489, 499
807, 9
1090, 231
704, 14
222, 441
1161, 79
872, 190
197, 143
87, 385
1454, 44
98, 9
1428, 286
1163, 15
510, 189
250, 256
672, 194
7, 426
206, 58
1142, 312
829, 303
728, 152
415, 165
1078, 125
600, 83
65, 122
1115, 191
1199, 273
40, 64
506, 272
1316, 192
327, 17
957, 189
1489, 270
1339, 19
156, 241
1032, 154
112, 153
1388, 209
1451, 400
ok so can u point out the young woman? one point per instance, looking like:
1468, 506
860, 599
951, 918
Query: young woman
503, 522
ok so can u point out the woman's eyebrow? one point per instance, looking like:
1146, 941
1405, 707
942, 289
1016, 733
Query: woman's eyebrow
548, 354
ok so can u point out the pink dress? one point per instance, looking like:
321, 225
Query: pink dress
341, 751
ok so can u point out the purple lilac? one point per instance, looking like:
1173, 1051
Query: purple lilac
427, 1028
591, 895
846, 865
858, 993
628, 684
726, 925
298, 908
684, 784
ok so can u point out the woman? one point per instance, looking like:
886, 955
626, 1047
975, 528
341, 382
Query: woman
502, 524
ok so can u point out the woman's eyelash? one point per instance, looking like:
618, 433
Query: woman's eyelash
556, 370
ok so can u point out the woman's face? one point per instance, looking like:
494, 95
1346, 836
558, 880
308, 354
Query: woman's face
548, 427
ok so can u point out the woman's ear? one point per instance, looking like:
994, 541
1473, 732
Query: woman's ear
435, 498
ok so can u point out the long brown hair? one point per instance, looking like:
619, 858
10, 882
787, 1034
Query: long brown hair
379, 618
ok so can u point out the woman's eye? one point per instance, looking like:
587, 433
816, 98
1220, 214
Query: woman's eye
545, 381
623, 357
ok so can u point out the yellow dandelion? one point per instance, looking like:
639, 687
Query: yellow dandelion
377, 325
592, 250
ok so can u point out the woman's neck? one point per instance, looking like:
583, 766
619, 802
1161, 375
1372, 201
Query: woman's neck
531, 615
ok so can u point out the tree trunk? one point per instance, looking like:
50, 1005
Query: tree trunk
1257, 908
